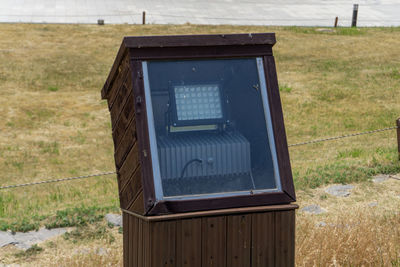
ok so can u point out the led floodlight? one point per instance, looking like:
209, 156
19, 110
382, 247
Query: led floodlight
197, 104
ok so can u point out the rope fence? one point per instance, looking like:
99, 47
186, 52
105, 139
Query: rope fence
291, 145
57, 180
343, 136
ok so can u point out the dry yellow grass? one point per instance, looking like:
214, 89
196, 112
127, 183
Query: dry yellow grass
55, 125
351, 233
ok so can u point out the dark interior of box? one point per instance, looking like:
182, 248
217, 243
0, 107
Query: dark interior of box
243, 114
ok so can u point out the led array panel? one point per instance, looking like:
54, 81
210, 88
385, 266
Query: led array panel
198, 102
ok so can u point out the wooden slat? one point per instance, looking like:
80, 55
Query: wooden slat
199, 40
263, 236
143, 135
188, 205
284, 238
188, 243
140, 260
137, 207
131, 241
278, 126
126, 144
122, 53
125, 118
119, 103
208, 213
214, 241
129, 166
238, 241
125, 228
199, 52
135, 245
163, 244
121, 72
146, 241
131, 191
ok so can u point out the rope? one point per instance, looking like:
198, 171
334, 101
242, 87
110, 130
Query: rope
113, 172
343, 136
57, 180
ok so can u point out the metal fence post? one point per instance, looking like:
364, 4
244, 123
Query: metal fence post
355, 12
398, 136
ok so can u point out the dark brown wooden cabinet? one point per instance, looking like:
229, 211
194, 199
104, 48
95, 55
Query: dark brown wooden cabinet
202, 162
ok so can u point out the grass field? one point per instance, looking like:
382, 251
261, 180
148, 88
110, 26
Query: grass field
55, 125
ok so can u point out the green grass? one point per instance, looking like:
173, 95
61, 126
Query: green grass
55, 125
70, 217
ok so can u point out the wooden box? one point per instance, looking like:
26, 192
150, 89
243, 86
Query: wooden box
250, 227
258, 237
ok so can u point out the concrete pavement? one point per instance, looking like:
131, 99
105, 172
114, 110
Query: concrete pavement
236, 12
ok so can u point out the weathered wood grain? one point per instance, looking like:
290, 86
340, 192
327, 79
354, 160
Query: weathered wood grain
119, 79
128, 140
238, 240
137, 205
132, 190
284, 238
251, 239
199, 40
126, 116
263, 239
188, 243
163, 244
129, 166
213, 248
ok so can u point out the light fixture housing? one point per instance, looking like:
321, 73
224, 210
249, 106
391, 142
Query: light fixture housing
197, 124
197, 104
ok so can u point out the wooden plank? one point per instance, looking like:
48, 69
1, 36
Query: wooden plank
125, 236
213, 241
143, 135
188, 243
105, 91
199, 40
163, 236
125, 118
238, 241
132, 189
140, 242
126, 144
285, 170
129, 166
188, 205
284, 238
191, 52
119, 78
146, 241
135, 245
198, 214
137, 205
119, 103
263, 239
131, 240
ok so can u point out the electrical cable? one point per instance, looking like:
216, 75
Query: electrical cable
187, 164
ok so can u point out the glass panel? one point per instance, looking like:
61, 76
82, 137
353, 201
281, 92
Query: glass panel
212, 129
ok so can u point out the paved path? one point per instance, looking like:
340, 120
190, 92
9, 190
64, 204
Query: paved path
238, 12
